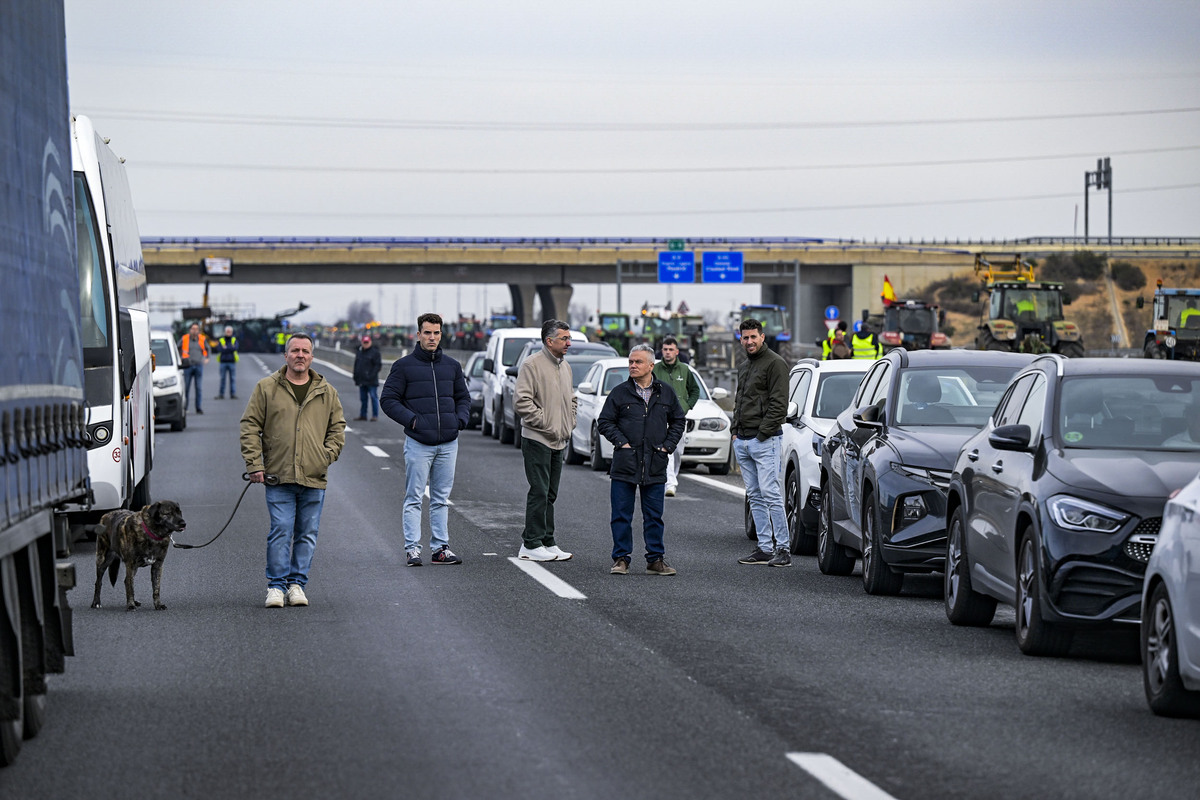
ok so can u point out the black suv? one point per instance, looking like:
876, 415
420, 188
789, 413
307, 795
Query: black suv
1056, 503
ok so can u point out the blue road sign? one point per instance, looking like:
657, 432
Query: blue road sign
722, 268
677, 267
831, 312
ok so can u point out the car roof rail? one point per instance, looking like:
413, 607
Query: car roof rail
1058, 358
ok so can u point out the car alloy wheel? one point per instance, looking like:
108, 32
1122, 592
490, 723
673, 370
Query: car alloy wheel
598, 464
877, 577
1035, 636
831, 557
1165, 692
964, 606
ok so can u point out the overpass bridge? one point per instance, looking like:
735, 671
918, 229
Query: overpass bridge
804, 274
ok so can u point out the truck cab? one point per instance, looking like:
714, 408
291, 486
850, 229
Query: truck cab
1175, 330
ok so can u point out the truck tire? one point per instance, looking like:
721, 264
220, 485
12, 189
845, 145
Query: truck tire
12, 730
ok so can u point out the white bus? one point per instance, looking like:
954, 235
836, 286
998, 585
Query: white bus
115, 315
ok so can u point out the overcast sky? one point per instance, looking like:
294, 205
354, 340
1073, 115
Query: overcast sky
852, 119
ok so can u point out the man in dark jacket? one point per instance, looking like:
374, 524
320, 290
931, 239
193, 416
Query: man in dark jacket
367, 363
226, 349
426, 392
760, 406
644, 421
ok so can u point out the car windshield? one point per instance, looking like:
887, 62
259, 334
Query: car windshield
581, 363
512, 349
1130, 413
958, 396
162, 352
834, 393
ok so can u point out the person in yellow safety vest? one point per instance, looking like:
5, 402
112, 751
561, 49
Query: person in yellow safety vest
193, 348
280, 341
835, 333
1023, 304
227, 358
865, 344
1190, 311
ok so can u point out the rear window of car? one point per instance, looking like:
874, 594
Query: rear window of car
834, 393
162, 351
512, 349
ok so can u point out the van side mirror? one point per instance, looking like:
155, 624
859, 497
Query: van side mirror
489, 365
1141, 302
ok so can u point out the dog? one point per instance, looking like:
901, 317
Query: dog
138, 538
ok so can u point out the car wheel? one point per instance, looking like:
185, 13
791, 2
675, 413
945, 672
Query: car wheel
801, 542
831, 556
751, 528
1035, 636
724, 467
504, 433
572, 455
1160, 660
484, 426
598, 463
496, 418
877, 576
964, 605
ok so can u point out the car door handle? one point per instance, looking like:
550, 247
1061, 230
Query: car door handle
973, 455
998, 467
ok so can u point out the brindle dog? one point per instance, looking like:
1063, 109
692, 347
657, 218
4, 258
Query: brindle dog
139, 539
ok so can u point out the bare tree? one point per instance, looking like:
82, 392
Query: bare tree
359, 313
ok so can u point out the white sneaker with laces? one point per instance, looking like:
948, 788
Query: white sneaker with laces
274, 598
295, 595
559, 554
670, 491
536, 554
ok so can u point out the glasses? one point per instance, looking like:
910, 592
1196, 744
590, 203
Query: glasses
561, 339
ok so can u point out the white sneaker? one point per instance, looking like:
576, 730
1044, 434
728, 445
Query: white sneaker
536, 554
274, 598
295, 595
559, 555
670, 491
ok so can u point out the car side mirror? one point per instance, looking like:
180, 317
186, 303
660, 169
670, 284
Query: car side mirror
793, 411
720, 393
868, 417
489, 365
586, 388
1010, 437
511, 371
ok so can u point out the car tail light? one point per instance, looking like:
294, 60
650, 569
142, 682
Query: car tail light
939, 338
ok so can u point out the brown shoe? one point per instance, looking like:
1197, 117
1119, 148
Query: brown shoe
620, 567
659, 567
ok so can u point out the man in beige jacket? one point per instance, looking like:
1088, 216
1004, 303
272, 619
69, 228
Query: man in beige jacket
545, 401
292, 430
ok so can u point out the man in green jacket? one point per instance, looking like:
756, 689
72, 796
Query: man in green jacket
292, 430
679, 376
760, 408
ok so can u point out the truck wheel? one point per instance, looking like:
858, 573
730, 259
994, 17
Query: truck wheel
12, 731
1071, 350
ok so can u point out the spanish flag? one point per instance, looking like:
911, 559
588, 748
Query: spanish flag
889, 294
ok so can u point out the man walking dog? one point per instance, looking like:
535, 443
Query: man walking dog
293, 429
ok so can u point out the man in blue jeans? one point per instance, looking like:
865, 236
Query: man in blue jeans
426, 392
644, 420
299, 414
760, 407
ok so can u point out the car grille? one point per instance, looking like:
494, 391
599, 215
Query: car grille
1140, 543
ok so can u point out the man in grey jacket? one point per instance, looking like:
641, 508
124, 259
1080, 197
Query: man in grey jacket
545, 401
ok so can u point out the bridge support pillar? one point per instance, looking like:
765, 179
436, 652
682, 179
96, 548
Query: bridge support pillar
556, 300
522, 303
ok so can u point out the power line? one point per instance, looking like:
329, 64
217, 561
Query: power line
664, 213
599, 127
635, 170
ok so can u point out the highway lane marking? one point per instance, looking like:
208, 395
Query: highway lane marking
839, 778
716, 484
375, 451
548, 579
334, 367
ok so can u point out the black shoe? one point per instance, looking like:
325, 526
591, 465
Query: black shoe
198, 411
757, 557
233, 397
219, 397
782, 558
443, 556
414, 558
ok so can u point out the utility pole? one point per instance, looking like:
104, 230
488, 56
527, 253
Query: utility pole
1101, 179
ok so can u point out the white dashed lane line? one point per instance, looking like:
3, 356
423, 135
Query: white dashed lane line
716, 484
375, 451
839, 778
548, 579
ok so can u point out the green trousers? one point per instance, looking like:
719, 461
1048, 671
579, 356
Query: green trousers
543, 468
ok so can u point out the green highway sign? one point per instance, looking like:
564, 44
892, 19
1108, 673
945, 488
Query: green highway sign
675, 244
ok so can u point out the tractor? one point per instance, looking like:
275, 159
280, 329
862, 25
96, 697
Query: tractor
1176, 331
1023, 314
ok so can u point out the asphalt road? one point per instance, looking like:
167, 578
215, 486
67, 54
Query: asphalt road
479, 681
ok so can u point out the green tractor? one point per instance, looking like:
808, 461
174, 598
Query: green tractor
1023, 314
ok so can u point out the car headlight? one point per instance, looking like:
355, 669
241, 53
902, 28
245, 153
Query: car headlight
1080, 515
712, 424
936, 477
163, 383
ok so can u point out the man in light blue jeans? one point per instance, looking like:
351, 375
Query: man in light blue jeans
295, 517
759, 463
432, 465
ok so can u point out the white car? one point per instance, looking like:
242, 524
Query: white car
817, 392
502, 349
169, 407
706, 440
1171, 610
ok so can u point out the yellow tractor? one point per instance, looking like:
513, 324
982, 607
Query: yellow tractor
1023, 314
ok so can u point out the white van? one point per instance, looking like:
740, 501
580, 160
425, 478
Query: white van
502, 350
169, 408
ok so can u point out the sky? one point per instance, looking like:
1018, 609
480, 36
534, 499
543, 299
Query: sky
861, 119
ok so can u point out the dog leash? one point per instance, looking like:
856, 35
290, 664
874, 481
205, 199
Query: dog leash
270, 480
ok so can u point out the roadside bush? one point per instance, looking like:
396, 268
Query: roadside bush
1083, 265
1128, 277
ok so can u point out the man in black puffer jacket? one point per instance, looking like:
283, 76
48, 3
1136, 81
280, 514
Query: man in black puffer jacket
644, 421
426, 392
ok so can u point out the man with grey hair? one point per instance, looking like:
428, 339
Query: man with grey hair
644, 421
545, 401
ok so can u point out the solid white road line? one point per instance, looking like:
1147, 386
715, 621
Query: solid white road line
740, 491
842, 780
548, 579
375, 451
333, 367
